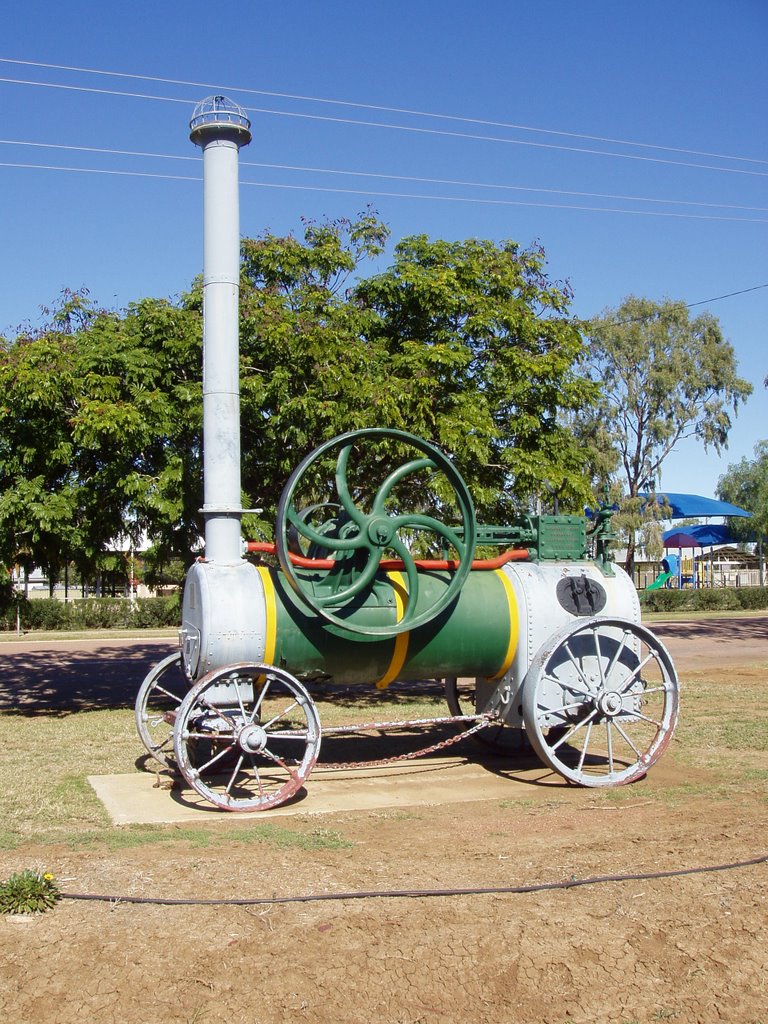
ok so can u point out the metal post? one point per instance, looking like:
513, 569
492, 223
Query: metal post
220, 127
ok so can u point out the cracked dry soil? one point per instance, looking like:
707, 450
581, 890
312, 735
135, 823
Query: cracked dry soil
691, 949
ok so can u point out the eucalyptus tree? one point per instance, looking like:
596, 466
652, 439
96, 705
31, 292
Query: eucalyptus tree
664, 376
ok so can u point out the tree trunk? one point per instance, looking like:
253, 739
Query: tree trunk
629, 561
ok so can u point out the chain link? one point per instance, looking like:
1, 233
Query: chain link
481, 722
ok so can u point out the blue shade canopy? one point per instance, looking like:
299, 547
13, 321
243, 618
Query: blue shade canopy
686, 506
703, 536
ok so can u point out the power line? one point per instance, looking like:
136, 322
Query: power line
507, 202
385, 109
390, 177
690, 305
742, 291
103, 170
395, 195
404, 128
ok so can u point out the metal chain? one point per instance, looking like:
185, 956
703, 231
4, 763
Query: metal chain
483, 721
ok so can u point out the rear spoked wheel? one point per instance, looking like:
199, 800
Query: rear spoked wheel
157, 703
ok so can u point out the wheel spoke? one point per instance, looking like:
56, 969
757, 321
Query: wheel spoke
394, 478
216, 757
342, 488
569, 707
361, 583
278, 760
421, 522
636, 672
257, 776
627, 739
577, 666
234, 775
599, 656
324, 541
279, 715
413, 579
617, 655
643, 718
215, 711
566, 685
259, 700
609, 740
167, 693
240, 702
574, 730
584, 748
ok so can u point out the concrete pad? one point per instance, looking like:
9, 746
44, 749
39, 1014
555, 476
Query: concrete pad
147, 799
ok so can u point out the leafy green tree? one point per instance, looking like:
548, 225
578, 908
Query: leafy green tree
482, 356
468, 344
665, 376
746, 484
97, 433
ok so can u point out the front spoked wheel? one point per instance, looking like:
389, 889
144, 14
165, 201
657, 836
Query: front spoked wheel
247, 737
600, 702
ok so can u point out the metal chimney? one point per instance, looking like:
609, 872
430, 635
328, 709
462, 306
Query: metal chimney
220, 127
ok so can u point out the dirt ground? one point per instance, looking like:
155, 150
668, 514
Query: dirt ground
692, 948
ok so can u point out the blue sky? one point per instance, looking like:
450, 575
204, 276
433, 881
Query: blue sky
685, 82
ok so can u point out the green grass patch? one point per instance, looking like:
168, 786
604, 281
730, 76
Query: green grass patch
276, 836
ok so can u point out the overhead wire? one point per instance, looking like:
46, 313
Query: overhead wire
379, 107
395, 195
389, 177
691, 305
404, 128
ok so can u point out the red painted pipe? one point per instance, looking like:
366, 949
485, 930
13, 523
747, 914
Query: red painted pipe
515, 555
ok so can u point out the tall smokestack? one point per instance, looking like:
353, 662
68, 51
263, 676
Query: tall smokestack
220, 127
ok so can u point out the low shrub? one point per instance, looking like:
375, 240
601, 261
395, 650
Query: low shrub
752, 597
94, 613
152, 612
714, 600
704, 599
662, 600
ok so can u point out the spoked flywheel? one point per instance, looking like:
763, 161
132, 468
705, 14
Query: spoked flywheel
370, 516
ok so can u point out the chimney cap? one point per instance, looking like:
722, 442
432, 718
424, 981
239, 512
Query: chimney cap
221, 117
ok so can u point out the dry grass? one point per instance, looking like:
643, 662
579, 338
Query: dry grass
45, 759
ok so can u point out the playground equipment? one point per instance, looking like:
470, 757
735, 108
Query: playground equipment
378, 578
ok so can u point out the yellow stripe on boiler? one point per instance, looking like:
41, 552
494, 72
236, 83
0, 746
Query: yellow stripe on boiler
401, 640
514, 625
270, 606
